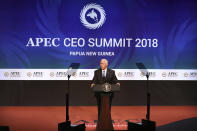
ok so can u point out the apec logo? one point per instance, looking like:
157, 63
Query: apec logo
92, 16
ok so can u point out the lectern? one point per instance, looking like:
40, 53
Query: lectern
104, 120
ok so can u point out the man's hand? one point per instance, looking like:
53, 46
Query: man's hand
92, 85
118, 84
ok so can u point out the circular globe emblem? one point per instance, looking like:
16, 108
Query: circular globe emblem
92, 16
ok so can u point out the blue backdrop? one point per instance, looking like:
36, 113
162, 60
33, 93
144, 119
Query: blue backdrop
172, 22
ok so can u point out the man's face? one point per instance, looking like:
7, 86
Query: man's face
103, 64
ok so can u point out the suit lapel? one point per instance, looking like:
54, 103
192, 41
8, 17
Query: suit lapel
107, 75
100, 73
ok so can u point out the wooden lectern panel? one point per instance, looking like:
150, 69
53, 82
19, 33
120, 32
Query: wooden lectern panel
104, 121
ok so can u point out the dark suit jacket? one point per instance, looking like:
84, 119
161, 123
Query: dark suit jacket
110, 77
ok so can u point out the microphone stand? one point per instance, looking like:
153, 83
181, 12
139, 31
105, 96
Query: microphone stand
148, 98
67, 102
66, 125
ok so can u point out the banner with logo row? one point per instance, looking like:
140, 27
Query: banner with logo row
87, 74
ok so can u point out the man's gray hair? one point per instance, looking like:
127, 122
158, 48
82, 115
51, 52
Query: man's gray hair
105, 60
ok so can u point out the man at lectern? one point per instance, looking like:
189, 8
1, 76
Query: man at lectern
101, 76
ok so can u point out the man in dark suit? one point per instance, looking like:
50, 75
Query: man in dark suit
101, 76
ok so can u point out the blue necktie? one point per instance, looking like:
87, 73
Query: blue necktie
104, 73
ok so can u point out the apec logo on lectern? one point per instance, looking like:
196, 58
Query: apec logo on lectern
92, 16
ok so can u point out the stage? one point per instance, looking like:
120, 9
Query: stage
56, 52
46, 118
